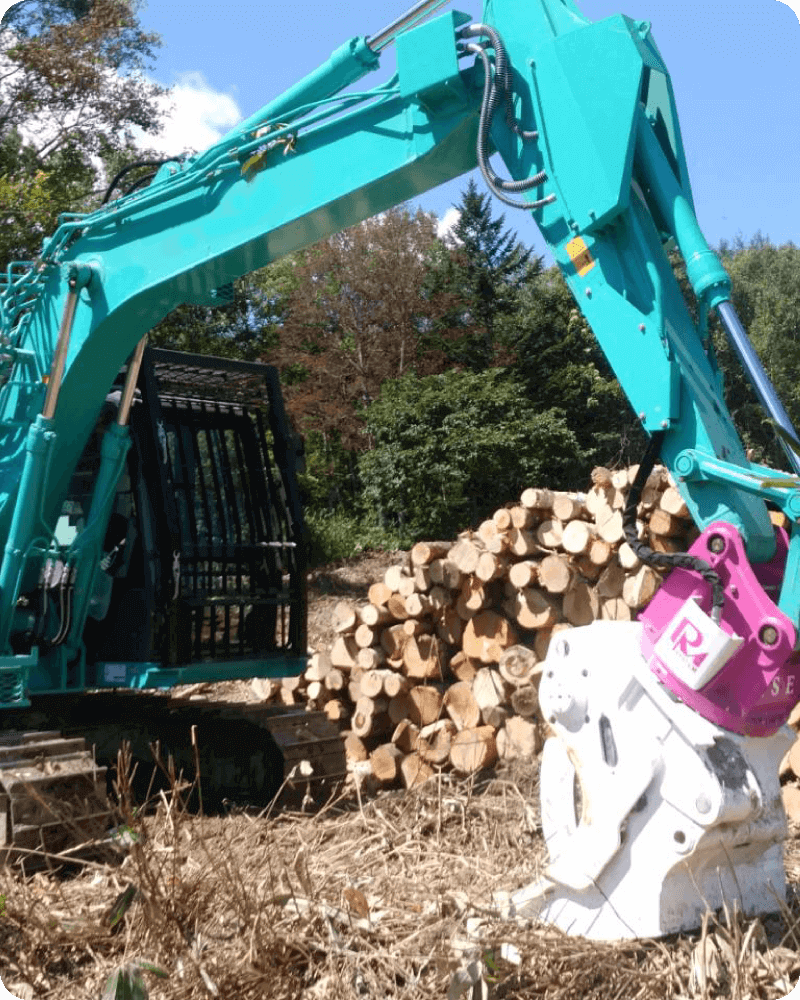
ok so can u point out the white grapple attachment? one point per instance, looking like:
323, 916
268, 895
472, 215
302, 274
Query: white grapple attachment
652, 815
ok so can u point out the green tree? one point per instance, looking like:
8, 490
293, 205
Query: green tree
449, 448
482, 270
73, 93
766, 295
562, 365
247, 326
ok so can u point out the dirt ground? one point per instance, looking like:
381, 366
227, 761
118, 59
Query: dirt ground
374, 897
348, 580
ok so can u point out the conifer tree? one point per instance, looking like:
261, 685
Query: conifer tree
483, 268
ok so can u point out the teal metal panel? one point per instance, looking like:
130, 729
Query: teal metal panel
589, 137
427, 63
622, 299
153, 675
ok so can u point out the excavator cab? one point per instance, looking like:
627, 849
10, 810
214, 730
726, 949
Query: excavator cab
205, 543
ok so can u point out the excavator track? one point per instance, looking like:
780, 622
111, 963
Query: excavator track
52, 798
250, 755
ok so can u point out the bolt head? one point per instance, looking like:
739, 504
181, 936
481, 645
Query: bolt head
703, 804
769, 635
716, 544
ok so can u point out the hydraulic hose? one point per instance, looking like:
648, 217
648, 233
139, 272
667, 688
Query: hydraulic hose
665, 560
496, 88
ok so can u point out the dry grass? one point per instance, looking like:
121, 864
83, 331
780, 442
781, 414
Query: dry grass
389, 899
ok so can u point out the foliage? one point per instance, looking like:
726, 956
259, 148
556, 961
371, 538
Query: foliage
72, 96
128, 983
449, 448
353, 320
245, 328
482, 270
562, 365
339, 534
766, 295
330, 479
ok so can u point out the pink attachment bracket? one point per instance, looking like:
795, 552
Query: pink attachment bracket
755, 691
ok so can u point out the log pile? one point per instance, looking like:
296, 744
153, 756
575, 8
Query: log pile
440, 669
790, 772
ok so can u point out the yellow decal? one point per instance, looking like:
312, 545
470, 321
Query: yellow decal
580, 256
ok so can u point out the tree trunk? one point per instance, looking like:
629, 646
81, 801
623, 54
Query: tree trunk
354, 748
524, 574
535, 610
424, 553
415, 771
406, 736
435, 740
425, 705
519, 738
344, 653
549, 533
488, 690
581, 605
525, 701
537, 499
385, 762
555, 573
487, 635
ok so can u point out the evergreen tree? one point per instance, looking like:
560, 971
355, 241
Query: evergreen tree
482, 269
562, 365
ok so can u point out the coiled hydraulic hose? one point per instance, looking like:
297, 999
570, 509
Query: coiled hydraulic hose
497, 88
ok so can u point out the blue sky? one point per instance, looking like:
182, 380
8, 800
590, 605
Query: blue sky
735, 69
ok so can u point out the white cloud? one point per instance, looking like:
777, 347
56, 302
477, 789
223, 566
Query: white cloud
445, 228
195, 116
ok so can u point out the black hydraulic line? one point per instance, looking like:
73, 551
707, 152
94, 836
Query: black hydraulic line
497, 86
140, 183
665, 560
126, 170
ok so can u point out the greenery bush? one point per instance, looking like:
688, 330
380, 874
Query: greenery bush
338, 534
450, 448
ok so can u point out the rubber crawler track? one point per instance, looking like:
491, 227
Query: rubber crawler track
247, 752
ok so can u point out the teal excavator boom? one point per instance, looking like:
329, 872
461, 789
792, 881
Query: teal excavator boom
583, 118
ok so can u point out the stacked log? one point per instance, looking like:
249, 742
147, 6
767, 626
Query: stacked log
441, 668
790, 772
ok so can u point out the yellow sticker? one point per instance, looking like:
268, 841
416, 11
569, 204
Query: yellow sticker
580, 256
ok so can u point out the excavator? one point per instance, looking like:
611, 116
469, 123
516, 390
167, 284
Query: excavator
149, 512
